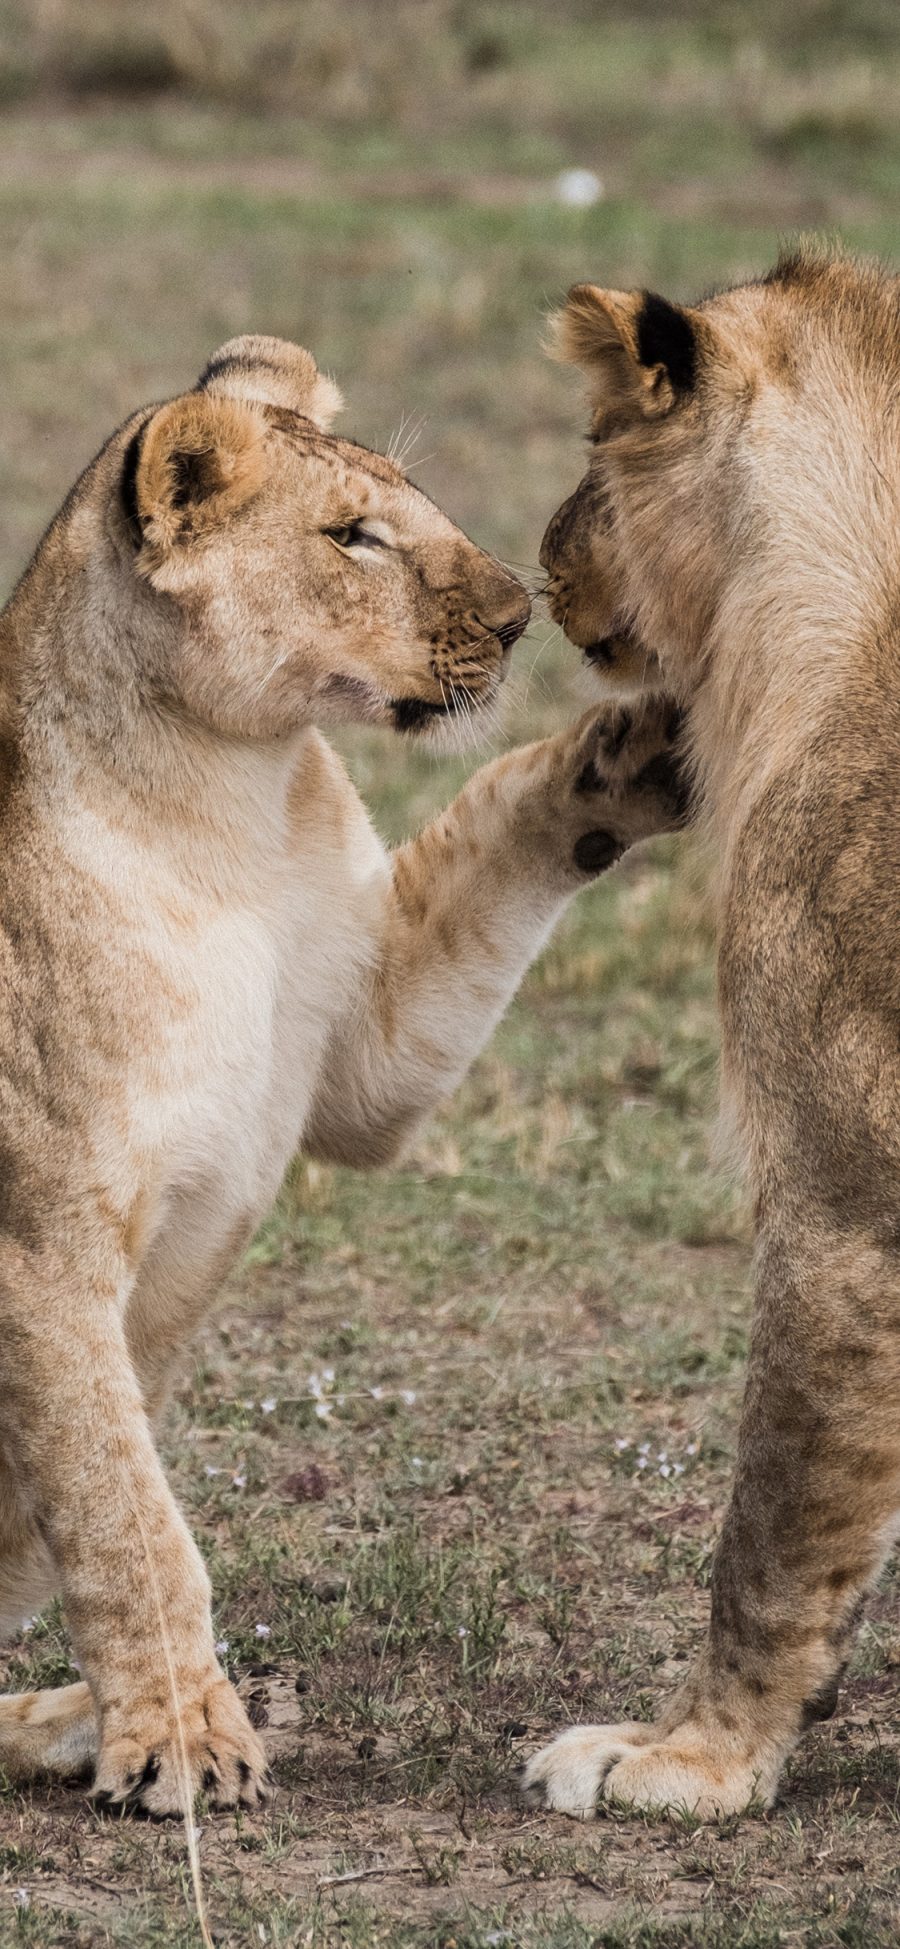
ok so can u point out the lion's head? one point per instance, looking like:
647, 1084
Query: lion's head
742, 450
296, 576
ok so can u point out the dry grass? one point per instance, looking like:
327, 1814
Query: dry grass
375, 62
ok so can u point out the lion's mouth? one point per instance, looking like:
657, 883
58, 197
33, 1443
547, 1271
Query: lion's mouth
343, 699
414, 714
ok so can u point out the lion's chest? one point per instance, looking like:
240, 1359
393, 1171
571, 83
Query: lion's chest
228, 1078
228, 1088
242, 999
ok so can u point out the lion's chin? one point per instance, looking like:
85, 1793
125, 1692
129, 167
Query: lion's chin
344, 699
621, 668
451, 723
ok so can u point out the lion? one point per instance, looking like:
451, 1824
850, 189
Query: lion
736, 543
208, 960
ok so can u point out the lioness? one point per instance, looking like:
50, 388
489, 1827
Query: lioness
207, 958
736, 544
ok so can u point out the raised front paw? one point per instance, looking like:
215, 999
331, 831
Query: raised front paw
154, 1760
689, 1770
630, 779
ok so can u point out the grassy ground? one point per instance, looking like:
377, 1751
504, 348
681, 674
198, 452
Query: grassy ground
528, 1343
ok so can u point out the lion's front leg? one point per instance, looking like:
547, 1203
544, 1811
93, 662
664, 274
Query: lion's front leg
471, 902
812, 1512
135, 1590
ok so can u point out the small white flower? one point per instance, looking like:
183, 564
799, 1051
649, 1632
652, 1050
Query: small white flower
408, 1396
462, 1632
263, 1630
239, 1482
642, 1461
416, 1462
210, 1470
677, 1468
328, 1375
621, 1444
663, 1455
221, 1647
691, 1448
377, 1393
644, 1448
315, 1385
578, 188
22, 1898
323, 1410
665, 1470
269, 1405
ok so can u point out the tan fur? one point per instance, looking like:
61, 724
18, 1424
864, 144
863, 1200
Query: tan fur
222, 443
207, 958
750, 540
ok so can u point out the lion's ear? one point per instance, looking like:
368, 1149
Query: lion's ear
633, 345
274, 373
192, 465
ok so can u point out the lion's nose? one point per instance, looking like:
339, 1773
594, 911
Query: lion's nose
510, 628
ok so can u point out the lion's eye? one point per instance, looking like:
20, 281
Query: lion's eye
353, 534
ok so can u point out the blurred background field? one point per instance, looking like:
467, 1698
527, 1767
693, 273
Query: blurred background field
493, 1511
381, 180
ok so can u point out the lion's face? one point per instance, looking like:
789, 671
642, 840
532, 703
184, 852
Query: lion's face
712, 438
315, 582
585, 590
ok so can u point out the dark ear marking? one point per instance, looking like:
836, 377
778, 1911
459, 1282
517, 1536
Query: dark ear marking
196, 476
665, 336
223, 367
128, 485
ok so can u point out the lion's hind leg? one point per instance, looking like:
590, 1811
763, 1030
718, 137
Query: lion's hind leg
53, 1732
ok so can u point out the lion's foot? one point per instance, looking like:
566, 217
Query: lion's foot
48, 1732
687, 1770
151, 1762
614, 777
634, 769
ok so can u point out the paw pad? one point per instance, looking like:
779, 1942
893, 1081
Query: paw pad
596, 851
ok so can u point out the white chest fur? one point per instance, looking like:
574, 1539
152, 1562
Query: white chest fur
245, 975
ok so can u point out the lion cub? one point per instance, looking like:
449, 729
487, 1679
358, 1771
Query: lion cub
737, 541
207, 959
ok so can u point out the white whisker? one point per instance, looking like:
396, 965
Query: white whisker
409, 432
